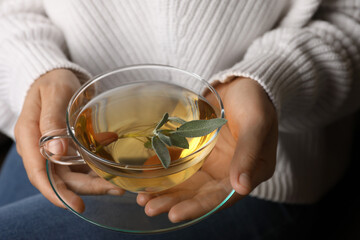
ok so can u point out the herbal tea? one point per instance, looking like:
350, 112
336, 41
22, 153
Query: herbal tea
129, 115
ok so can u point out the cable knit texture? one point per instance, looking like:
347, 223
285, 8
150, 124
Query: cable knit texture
304, 53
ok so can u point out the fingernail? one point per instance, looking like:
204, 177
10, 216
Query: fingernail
244, 181
114, 192
55, 147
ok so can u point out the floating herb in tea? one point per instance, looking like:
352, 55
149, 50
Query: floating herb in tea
127, 126
161, 138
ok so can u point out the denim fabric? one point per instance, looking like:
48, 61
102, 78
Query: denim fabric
26, 214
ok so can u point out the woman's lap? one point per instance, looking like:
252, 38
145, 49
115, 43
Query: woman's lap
14, 184
24, 212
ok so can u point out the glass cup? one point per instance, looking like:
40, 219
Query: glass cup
132, 177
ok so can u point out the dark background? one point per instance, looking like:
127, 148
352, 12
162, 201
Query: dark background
339, 216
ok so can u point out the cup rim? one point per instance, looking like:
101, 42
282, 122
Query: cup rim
98, 77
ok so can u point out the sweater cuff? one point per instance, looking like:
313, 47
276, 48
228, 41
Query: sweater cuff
28, 62
274, 73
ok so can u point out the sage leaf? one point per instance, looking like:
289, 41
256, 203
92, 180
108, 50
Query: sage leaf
148, 144
177, 119
159, 139
165, 139
161, 151
198, 128
179, 141
162, 121
166, 132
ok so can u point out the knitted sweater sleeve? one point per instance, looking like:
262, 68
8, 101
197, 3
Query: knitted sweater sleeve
30, 45
309, 68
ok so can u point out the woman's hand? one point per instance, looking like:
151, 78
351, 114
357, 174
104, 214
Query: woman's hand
244, 156
253, 123
44, 111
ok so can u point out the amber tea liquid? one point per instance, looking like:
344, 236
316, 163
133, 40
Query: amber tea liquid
134, 110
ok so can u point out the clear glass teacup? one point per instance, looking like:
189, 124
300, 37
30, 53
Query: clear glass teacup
110, 118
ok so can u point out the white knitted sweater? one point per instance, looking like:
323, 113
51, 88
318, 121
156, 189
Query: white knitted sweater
305, 53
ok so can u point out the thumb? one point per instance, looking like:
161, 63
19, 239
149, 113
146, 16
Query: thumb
53, 108
251, 163
55, 98
56, 89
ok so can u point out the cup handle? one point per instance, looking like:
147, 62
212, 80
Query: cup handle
72, 157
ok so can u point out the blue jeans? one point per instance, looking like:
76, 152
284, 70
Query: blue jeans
26, 214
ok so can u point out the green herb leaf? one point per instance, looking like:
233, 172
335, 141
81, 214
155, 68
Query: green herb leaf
161, 151
179, 141
166, 132
198, 128
148, 144
165, 139
177, 119
162, 121
160, 138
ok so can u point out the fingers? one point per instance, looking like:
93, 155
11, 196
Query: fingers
55, 99
201, 204
69, 197
163, 203
190, 203
87, 183
189, 200
156, 205
54, 95
43, 110
244, 161
189, 209
254, 158
252, 122
143, 198
27, 134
